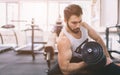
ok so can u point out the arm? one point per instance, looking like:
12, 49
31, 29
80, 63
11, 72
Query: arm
93, 34
64, 57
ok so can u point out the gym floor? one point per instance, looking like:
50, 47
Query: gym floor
12, 63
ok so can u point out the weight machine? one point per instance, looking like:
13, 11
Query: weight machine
34, 46
117, 26
107, 41
5, 47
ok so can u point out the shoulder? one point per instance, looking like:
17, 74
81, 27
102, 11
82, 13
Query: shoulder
63, 41
85, 25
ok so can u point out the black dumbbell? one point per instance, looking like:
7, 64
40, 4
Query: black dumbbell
92, 54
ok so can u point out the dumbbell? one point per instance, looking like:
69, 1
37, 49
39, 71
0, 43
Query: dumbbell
49, 55
92, 54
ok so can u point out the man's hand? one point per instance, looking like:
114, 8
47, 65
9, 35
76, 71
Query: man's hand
108, 60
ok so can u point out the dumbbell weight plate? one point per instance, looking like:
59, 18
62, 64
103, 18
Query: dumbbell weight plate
92, 54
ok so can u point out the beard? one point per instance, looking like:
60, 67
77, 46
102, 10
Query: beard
76, 30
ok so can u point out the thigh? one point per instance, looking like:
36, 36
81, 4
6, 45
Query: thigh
111, 69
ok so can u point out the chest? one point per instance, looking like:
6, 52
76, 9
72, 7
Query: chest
78, 35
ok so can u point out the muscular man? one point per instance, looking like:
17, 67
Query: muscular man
72, 35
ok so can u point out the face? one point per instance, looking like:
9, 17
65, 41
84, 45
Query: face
74, 23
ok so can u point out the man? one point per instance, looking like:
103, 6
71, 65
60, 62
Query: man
72, 35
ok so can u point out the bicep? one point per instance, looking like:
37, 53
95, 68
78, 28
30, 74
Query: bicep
64, 55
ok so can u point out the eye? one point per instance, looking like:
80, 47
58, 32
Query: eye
74, 22
80, 21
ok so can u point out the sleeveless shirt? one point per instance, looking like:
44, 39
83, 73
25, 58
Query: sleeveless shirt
76, 42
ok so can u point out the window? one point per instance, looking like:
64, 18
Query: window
2, 14
12, 14
9, 12
45, 13
36, 10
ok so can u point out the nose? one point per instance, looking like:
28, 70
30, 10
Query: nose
78, 25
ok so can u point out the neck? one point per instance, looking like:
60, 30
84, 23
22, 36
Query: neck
76, 35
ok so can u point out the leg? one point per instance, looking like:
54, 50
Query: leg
111, 69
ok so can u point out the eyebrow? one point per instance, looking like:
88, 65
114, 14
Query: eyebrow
76, 21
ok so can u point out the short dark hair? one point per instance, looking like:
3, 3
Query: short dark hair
72, 9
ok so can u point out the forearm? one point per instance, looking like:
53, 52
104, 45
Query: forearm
71, 67
100, 41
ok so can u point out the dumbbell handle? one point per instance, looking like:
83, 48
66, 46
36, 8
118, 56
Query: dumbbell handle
47, 56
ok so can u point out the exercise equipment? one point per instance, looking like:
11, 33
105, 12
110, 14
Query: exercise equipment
31, 45
58, 27
117, 26
49, 55
27, 48
49, 50
34, 46
107, 42
10, 27
92, 54
6, 47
